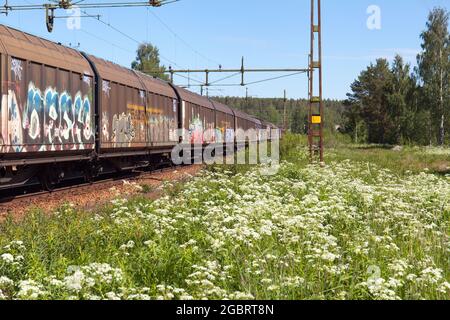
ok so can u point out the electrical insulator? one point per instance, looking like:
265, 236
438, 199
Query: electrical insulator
155, 3
49, 18
65, 4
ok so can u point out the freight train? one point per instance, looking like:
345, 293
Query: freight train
66, 113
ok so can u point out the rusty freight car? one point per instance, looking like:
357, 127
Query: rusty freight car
245, 127
225, 124
47, 111
66, 113
197, 118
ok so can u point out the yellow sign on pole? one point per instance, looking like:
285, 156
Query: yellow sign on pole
316, 119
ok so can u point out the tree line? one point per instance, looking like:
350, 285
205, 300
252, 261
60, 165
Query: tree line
272, 110
397, 104
389, 103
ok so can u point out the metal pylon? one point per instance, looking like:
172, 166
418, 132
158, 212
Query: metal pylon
316, 110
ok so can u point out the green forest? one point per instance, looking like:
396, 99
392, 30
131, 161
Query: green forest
272, 110
389, 103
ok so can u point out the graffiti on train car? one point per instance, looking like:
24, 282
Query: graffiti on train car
162, 128
209, 136
219, 134
123, 131
106, 88
196, 130
224, 133
16, 68
137, 113
105, 127
46, 121
229, 135
11, 124
138, 125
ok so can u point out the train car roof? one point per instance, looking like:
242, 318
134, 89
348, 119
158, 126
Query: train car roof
268, 124
243, 115
194, 98
256, 120
157, 86
222, 107
22, 45
110, 71
265, 123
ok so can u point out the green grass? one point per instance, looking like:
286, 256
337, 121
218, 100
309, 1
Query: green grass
412, 159
371, 224
407, 159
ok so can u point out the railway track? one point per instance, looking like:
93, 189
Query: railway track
71, 191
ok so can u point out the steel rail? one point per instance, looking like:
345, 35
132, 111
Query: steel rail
135, 175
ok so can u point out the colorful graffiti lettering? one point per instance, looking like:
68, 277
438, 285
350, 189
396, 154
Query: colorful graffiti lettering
229, 135
49, 121
105, 127
196, 130
137, 113
87, 80
16, 68
66, 118
51, 127
219, 134
11, 124
106, 87
122, 130
162, 128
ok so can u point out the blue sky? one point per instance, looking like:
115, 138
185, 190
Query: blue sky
204, 33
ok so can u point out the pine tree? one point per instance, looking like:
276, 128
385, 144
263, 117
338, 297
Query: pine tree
434, 71
369, 98
401, 104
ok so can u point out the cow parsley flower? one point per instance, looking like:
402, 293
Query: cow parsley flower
7, 257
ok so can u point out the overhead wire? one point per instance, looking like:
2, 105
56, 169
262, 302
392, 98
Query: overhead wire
82, 5
132, 39
225, 78
181, 39
275, 78
109, 25
250, 83
188, 78
127, 36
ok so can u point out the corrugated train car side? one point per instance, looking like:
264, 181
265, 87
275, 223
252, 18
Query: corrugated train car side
65, 114
47, 110
197, 118
225, 123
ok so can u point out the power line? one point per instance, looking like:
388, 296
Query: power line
109, 25
67, 4
189, 78
181, 39
128, 37
245, 84
106, 41
51, 7
225, 78
275, 78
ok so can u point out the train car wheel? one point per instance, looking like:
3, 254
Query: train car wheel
89, 176
47, 182
49, 178
92, 171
